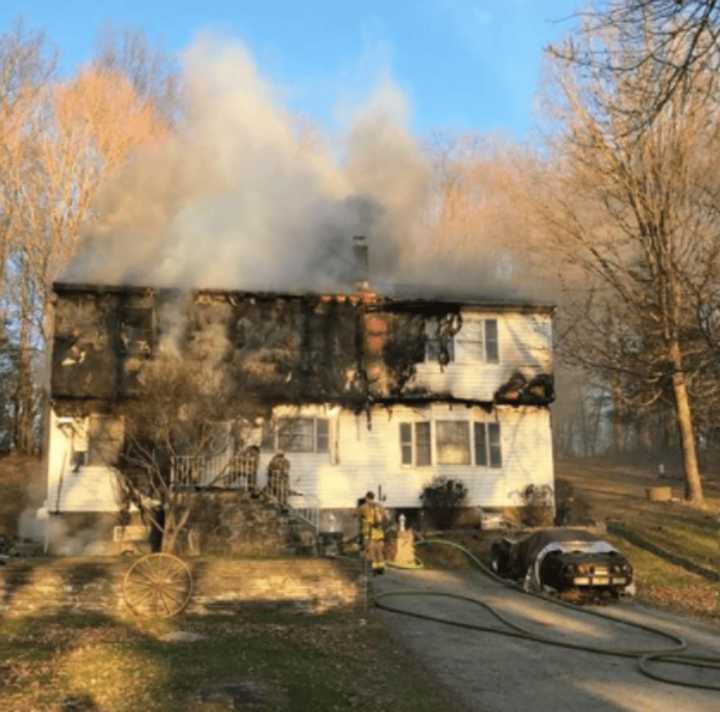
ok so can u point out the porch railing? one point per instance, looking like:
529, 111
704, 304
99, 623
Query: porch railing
240, 472
305, 507
235, 471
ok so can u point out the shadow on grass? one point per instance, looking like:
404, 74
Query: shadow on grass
262, 660
23, 576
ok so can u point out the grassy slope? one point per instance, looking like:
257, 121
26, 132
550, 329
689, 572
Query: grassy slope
617, 493
293, 662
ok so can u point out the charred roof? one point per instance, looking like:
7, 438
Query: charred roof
392, 297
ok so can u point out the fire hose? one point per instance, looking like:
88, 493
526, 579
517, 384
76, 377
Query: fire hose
674, 654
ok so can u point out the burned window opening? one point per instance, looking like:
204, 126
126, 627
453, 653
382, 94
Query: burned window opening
137, 331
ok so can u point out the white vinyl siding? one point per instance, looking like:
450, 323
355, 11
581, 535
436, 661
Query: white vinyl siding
366, 453
488, 350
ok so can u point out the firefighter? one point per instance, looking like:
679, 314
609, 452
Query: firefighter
373, 521
279, 478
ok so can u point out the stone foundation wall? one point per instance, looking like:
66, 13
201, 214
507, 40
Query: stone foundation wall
48, 586
223, 522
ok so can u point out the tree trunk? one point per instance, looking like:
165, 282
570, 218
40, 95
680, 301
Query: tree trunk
25, 406
618, 427
693, 483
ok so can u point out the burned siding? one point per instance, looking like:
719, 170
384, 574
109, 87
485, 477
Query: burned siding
272, 348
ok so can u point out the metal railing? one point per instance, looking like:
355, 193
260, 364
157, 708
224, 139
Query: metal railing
240, 472
305, 507
234, 471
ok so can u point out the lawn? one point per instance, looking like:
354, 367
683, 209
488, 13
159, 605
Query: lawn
259, 661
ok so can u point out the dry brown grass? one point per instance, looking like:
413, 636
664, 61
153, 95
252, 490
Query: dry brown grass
616, 493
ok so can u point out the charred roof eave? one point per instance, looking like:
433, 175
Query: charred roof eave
436, 304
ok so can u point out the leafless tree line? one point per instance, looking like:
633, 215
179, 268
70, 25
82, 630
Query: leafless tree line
59, 139
631, 201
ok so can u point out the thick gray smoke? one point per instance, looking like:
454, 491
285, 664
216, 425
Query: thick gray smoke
242, 196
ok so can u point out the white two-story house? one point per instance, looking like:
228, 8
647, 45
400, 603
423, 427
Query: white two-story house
363, 390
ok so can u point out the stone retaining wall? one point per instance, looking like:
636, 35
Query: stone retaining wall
48, 586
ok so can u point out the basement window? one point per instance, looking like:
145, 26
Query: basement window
415, 445
298, 435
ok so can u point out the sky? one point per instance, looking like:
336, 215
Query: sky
465, 65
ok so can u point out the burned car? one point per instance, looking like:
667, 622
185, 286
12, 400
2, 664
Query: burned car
562, 559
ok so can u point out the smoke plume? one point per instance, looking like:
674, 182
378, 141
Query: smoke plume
242, 195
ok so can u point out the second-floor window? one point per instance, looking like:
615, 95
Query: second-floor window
477, 341
298, 435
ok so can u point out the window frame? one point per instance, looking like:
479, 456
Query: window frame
491, 439
468, 444
487, 432
413, 443
489, 334
273, 436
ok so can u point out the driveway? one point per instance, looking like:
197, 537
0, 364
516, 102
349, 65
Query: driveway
490, 672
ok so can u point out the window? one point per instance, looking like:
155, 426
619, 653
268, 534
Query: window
136, 331
455, 443
469, 341
322, 435
492, 352
477, 341
434, 351
415, 446
488, 450
452, 442
298, 435
437, 349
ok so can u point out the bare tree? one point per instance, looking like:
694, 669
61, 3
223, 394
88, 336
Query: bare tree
183, 418
675, 43
637, 215
152, 73
26, 68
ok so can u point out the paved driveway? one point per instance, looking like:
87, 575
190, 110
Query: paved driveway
497, 673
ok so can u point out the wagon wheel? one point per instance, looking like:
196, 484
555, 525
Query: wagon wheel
158, 585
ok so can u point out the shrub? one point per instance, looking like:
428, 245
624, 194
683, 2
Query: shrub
538, 506
442, 499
